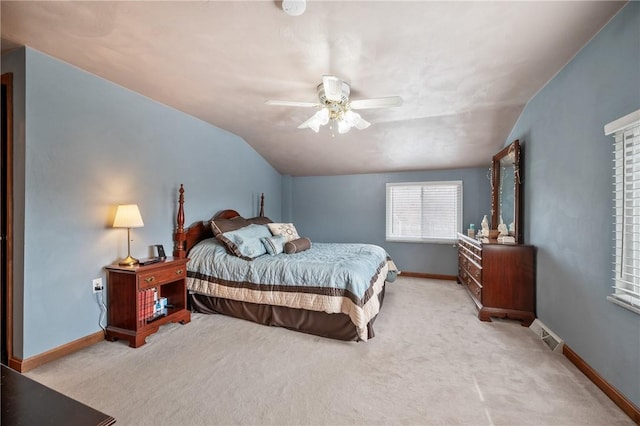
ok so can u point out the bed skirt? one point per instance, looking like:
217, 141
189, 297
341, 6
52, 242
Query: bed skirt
335, 326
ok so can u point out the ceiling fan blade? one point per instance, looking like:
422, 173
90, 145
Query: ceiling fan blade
391, 101
292, 103
332, 87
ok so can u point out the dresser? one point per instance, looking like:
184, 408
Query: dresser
500, 278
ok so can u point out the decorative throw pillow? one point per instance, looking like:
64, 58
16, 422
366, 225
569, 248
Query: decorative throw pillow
287, 229
298, 245
220, 226
274, 244
245, 242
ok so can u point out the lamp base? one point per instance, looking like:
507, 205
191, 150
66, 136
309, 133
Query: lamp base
128, 261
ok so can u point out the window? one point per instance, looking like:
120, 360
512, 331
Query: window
626, 181
424, 212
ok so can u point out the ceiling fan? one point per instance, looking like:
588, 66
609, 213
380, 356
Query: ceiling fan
335, 106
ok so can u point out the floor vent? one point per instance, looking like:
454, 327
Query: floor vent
548, 337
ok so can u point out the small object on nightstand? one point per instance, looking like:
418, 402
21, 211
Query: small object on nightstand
161, 254
149, 261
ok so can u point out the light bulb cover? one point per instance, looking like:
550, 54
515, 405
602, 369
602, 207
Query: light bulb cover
343, 126
294, 7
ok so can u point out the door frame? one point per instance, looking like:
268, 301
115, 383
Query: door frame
7, 81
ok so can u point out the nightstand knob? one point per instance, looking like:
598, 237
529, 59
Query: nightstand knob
179, 271
150, 279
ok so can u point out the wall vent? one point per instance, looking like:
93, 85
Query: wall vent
548, 337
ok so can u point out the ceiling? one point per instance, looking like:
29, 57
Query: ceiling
464, 69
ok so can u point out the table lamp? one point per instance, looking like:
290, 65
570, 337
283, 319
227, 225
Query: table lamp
128, 216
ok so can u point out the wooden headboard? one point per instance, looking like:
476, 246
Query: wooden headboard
184, 239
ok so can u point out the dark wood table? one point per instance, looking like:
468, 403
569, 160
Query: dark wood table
27, 402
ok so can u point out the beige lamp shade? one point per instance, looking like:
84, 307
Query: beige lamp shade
128, 216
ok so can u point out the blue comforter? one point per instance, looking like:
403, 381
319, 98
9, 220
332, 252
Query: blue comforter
331, 268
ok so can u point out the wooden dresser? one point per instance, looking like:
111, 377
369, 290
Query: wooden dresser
500, 278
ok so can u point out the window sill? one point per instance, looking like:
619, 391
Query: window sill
623, 304
399, 240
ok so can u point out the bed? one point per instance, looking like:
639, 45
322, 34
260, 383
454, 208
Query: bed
329, 290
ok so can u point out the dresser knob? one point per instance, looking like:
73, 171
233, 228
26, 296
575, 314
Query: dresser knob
150, 279
179, 271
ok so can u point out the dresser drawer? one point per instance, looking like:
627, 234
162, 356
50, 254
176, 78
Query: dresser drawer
161, 276
474, 271
463, 276
462, 260
475, 289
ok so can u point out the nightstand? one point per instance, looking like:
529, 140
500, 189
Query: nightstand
130, 299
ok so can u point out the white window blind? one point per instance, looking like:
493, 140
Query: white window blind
424, 211
626, 180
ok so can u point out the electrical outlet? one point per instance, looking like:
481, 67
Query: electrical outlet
96, 285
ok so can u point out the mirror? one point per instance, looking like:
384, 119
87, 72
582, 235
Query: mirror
505, 189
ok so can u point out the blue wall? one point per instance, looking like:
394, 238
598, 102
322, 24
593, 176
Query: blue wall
568, 193
352, 208
90, 145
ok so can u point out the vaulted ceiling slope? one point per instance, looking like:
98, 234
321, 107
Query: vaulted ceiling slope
464, 69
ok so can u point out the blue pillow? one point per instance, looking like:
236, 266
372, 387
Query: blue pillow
245, 242
274, 245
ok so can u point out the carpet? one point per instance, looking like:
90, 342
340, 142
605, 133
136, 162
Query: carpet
432, 362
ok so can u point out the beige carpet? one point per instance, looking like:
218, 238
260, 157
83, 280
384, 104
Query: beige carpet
431, 362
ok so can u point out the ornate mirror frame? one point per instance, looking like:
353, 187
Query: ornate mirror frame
505, 189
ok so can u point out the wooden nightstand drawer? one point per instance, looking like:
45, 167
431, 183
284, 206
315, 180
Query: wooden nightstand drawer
155, 278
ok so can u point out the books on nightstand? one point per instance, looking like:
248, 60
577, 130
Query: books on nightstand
146, 303
150, 306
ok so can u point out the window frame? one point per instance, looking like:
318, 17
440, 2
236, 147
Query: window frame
390, 237
626, 205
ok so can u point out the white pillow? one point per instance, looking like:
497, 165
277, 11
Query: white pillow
286, 229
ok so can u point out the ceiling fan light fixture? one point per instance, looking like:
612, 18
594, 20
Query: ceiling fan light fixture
351, 117
362, 124
314, 125
336, 108
323, 116
343, 126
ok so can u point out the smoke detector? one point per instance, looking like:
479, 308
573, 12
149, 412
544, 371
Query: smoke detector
294, 7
